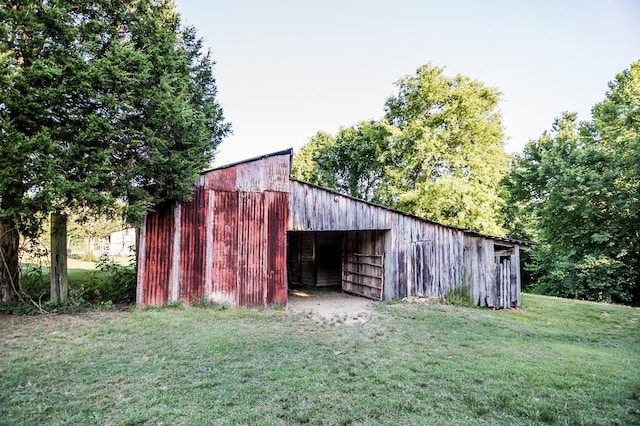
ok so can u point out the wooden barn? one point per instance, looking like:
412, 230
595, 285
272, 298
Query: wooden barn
251, 231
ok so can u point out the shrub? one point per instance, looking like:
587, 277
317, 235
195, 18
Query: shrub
460, 296
111, 282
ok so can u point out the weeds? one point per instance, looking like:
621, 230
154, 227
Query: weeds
110, 284
207, 303
460, 296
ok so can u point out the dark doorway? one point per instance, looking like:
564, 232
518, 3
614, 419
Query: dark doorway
314, 259
351, 261
328, 259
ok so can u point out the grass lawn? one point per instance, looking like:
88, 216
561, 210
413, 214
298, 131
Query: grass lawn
554, 362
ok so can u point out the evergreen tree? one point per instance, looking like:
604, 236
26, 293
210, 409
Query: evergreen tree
101, 101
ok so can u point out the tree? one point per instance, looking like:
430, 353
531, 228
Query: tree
101, 101
447, 153
580, 185
438, 153
310, 162
352, 163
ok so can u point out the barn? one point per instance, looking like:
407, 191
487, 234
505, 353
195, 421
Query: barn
251, 232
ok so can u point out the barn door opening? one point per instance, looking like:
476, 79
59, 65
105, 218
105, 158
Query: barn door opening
314, 259
328, 259
351, 261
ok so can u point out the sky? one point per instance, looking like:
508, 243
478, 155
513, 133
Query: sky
288, 69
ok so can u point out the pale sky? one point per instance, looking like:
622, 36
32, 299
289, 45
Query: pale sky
287, 69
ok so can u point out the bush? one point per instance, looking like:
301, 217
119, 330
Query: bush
460, 296
34, 282
111, 282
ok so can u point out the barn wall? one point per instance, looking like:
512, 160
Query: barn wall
316, 209
228, 244
421, 258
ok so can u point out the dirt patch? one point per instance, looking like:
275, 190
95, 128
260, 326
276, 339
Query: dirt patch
329, 305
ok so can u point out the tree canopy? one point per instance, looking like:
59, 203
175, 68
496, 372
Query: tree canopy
100, 101
578, 188
438, 152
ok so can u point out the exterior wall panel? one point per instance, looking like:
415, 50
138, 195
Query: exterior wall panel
278, 213
157, 257
227, 245
251, 259
193, 245
224, 247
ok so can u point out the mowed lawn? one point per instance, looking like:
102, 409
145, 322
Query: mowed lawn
554, 362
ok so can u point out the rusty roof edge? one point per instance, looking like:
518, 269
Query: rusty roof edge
288, 151
465, 230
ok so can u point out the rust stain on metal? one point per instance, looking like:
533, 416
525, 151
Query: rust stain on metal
192, 247
221, 180
224, 248
228, 244
277, 247
158, 255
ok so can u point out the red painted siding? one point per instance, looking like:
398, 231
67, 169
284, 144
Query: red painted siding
193, 247
221, 180
227, 245
251, 237
158, 254
278, 211
224, 249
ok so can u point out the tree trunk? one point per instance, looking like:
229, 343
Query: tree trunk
59, 284
9, 266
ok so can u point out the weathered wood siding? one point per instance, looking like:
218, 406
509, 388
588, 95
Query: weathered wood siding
421, 258
228, 244
492, 271
479, 270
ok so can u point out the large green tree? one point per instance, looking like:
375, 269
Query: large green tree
579, 188
438, 152
447, 154
101, 101
353, 162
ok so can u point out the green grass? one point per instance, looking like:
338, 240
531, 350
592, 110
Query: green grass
554, 362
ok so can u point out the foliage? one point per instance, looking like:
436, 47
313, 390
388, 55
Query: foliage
111, 282
555, 361
460, 296
578, 188
352, 162
101, 101
102, 288
448, 153
438, 152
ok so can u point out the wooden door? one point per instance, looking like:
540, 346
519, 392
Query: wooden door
363, 274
